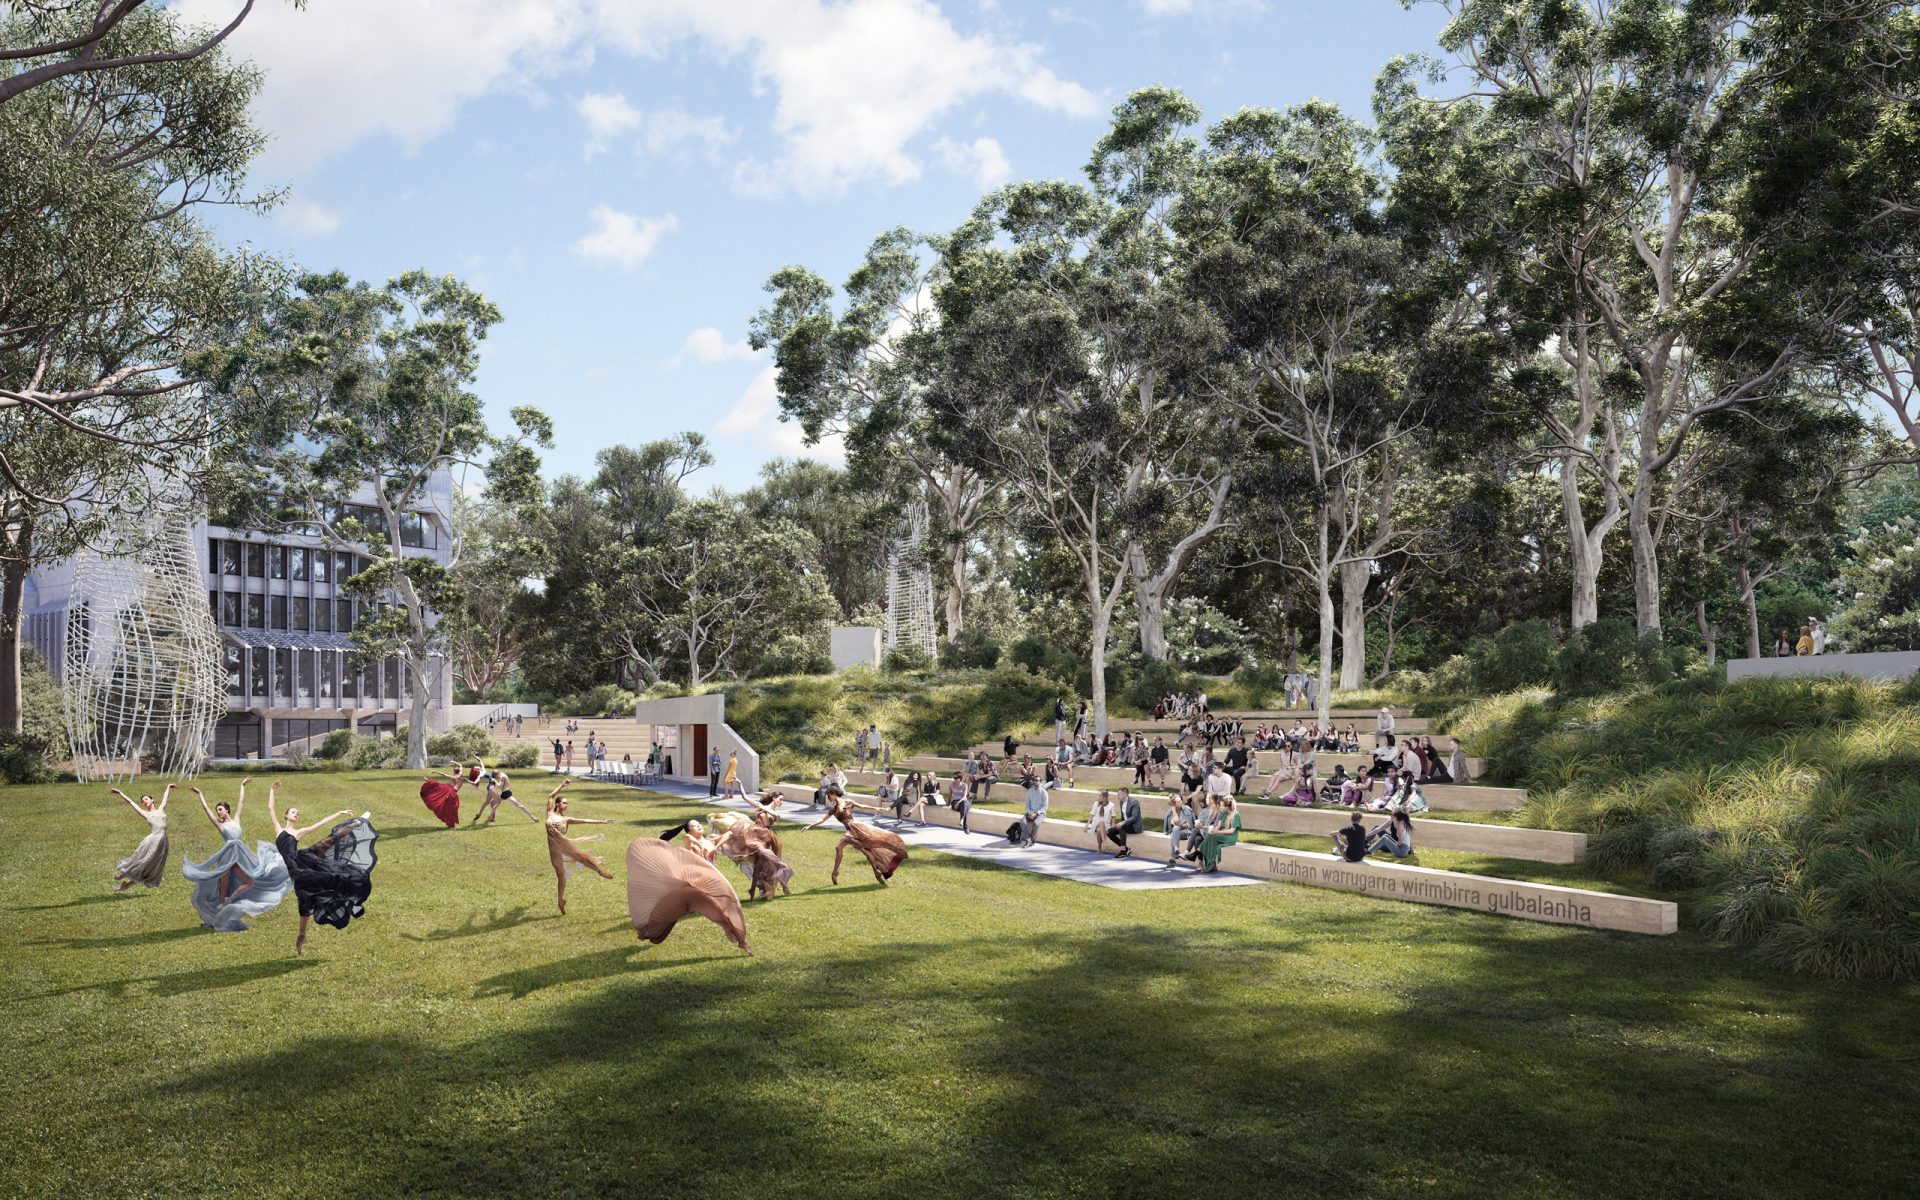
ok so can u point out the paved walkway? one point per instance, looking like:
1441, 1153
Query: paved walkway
1083, 866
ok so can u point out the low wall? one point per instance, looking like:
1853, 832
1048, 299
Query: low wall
1391, 881
1892, 664
477, 714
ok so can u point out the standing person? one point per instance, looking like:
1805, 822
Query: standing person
562, 850
1313, 692
147, 865
1782, 648
1126, 822
559, 757
569, 756
1819, 637
236, 883
860, 741
730, 782
1080, 721
1060, 719
713, 771
332, 878
1804, 647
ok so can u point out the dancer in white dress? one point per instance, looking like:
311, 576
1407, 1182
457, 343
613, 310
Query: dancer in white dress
147, 865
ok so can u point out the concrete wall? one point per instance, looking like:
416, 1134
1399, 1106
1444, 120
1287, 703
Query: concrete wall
476, 714
1897, 664
709, 710
854, 646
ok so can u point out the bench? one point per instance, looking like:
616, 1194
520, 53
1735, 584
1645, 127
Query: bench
1544, 902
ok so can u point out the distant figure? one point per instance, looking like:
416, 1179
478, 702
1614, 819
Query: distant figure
1804, 647
1060, 719
1782, 647
1819, 637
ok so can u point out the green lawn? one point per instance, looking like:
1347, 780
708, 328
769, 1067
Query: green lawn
969, 1031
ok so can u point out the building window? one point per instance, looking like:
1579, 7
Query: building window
236, 671
276, 562
322, 566
213, 603
304, 680
394, 679
349, 678
414, 531
277, 606
343, 566
230, 609
300, 607
323, 616
258, 666
256, 560
213, 556
329, 676
343, 616
283, 674
297, 561
256, 611
229, 557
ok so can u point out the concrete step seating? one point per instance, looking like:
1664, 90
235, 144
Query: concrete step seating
1466, 797
1362, 719
1396, 881
1327, 759
1507, 841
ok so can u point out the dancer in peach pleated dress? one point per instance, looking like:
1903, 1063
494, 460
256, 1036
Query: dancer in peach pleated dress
667, 884
884, 851
562, 849
755, 848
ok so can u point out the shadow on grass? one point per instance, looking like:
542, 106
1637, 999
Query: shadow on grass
183, 983
495, 922
108, 898
149, 938
402, 832
602, 964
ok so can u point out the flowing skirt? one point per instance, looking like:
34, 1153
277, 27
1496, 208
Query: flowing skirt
668, 883
334, 877
270, 886
442, 800
1213, 844
884, 850
147, 864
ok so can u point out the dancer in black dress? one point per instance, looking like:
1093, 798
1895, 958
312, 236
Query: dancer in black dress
331, 878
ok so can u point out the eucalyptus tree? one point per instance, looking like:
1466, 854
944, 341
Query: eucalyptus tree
1079, 370
866, 373
1655, 179
45, 41
384, 374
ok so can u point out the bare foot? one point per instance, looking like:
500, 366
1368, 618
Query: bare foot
300, 945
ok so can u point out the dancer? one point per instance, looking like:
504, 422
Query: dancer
443, 799
236, 883
755, 848
499, 788
331, 878
884, 851
148, 862
562, 849
668, 883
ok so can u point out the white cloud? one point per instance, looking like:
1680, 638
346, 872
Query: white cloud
607, 117
709, 345
981, 159
1166, 8
854, 84
756, 415
623, 239
307, 218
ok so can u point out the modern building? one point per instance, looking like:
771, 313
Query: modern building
284, 617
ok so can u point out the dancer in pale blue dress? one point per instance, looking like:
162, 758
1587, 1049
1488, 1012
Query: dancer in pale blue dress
235, 883
147, 865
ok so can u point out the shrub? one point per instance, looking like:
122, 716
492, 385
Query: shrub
1153, 680
792, 655
335, 745
1519, 656
1602, 657
1454, 677
902, 659
973, 649
23, 758
605, 700
461, 742
1262, 682
518, 756
1042, 657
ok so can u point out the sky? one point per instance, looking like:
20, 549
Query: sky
621, 177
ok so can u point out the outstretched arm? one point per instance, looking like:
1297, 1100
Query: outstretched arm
205, 807
589, 821
822, 821
240, 805
131, 802
555, 793
323, 823
166, 794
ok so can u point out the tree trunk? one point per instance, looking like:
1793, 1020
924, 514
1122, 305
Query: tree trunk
956, 588
1151, 603
12, 597
1646, 558
1583, 551
417, 714
1707, 631
1753, 611
1326, 651
1354, 577
1097, 667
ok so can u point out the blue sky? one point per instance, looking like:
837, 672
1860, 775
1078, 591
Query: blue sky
621, 176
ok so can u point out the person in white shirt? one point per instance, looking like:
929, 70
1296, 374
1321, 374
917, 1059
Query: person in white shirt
1219, 784
1383, 728
1819, 637
1409, 760
1099, 819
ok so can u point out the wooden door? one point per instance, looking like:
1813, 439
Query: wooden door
699, 764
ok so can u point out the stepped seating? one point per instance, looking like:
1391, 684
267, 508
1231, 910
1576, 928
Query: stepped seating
1507, 841
1327, 759
1398, 881
1465, 797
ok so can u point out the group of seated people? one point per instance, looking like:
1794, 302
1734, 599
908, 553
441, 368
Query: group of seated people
1180, 706
1299, 737
1418, 756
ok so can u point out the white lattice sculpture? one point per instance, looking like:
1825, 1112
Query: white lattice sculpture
910, 588
143, 676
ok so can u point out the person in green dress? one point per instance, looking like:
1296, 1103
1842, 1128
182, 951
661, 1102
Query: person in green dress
1227, 834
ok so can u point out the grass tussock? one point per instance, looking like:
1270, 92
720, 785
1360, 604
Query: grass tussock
1791, 806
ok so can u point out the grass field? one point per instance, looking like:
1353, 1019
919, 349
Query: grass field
969, 1031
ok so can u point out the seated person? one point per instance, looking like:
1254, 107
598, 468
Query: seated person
1331, 790
1350, 840
1302, 793
1394, 836
1177, 824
